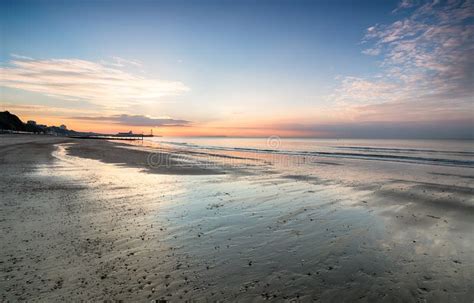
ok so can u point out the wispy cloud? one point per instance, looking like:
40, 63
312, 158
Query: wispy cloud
427, 63
404, 4
121, 62
97, 83
20, 57
136, 120
45, 110
356, 90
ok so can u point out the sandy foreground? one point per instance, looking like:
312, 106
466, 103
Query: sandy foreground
95, 220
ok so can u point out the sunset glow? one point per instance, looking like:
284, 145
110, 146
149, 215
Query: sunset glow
310, 75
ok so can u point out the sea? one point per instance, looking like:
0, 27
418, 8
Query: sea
457, 153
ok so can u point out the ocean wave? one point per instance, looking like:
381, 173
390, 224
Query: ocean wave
366, 153
405, 150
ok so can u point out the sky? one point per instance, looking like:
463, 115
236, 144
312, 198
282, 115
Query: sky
339, 69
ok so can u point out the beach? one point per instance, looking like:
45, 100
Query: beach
96, 220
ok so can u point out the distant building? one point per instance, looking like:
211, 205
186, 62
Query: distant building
31, 122
125, 134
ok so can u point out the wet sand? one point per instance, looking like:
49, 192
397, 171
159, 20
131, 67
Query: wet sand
92, 220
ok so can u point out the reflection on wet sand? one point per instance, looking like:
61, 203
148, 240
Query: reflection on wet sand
291, 233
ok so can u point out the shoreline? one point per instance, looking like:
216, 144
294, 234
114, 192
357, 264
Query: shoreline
78, 228
153, 161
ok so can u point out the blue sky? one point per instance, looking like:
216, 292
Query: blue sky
227, 64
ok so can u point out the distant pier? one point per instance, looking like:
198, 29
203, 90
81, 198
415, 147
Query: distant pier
112, 137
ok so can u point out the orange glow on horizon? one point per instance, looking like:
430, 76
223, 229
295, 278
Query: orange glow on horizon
245, 129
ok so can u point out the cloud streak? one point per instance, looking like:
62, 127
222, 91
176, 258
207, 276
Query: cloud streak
81, 80
121, 62
136, 120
